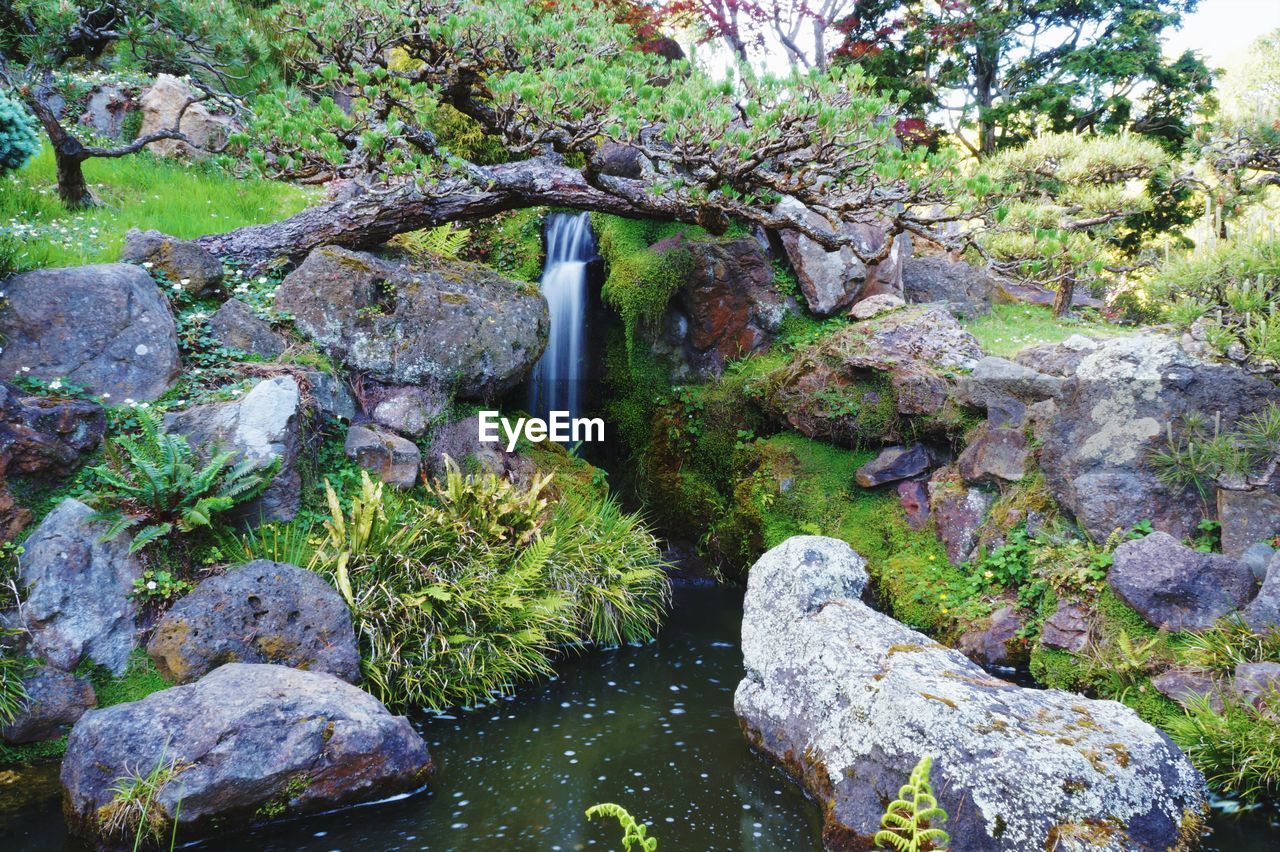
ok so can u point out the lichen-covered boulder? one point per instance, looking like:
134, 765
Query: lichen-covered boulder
262, 612
848, 700
246, 743
235, 326
1175, 587
454, 324
186, 264
55, 700
79, 602
964, 290
46, 435
105, 328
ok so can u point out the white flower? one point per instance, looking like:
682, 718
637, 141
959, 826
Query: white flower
262, 279
151, 585
144, 405
146, 264
26, 369
185, 281
129, 402
55, 385
106, 396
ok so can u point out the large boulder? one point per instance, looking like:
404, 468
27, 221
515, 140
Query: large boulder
1116, 410
79, 602
185, 263
964, 290
831, 281
171, 101
455, 324
1263, 612
264, 427
1175, 587
235, 326
106, 328
246, 743
55, 700
46, 435
262, 612
848, 700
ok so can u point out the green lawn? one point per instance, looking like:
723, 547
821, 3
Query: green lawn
185, 200
1009, 328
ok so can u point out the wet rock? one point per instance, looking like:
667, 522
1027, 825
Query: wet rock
249, 743
1247, 518
862, 698
1057, 359
78, 590
394, 460
958, 513
998, 378
1116, 409
185, 263
262, 612
1263, 612
1187, 686
937, 278
264, 426
105, 328
162, 107
235, 326
894, 463
996, 644
456, 324
913, 496
874, 306
46, 435
55, 700
1175, 587
1068, 629
995, 455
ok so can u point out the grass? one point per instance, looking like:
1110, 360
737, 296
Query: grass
1010, 328
186, 200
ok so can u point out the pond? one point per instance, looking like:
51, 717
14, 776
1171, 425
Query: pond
651, 728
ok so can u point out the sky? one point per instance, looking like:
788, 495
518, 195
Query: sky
1220, 28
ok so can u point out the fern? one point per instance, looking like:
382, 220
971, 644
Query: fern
907, 822
633, 833
445, 242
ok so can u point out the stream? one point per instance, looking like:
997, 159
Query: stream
651, 728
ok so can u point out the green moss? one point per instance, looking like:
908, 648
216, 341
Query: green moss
570, 474
31, 752
1058, 669
140, 679
638, 280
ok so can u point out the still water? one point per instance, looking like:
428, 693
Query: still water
651, 728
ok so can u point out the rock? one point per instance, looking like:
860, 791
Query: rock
1248, 518
409, 411
997, 378
1068, 629
1258, 558
1057, 359
330, 396
834, 280
46, 435
1116, 410
249, 742
105, 111
913, 496
996, 455
1257, 683
162, 105
1007, 412
894, 463
619, 160
105, 328
453, 324
263, 426
1033, 294
848, 700
874, 306
997, 643
55, 700
964, 290
958, 513
1186, 686
727, 306
262, 612
460, 441
1263, 612
13, 518
392, 459
1175, 587
78, 603
184, 262
235, 326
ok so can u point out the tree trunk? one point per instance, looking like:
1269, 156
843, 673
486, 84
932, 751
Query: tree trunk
1065, 297
986, 65
68, 153
72, 187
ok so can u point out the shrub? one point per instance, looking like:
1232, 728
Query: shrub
19, 141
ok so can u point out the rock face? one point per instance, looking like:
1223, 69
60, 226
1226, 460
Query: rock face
453, 324
995, 379
1247, 518
834, 280
1057, 359
848, 700
1263, 612
105, 110
964, 290
184, 263
1116, 409
235, 326
894, 463
958, 512
1175, 587
161, 106
394, 460
251, 742
55, 700
78, 591
263, 426
996, 455
105, 328
262, 612
44, 435
1067, 629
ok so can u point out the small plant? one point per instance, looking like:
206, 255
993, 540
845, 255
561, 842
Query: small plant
446, 241
152, 481
908, 821
633, 833
159, 587
13, 692
135, 809
1229, 643
18, 139
1237, 748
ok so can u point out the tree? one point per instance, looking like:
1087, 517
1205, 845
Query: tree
1003, 71
41, 39
800, 26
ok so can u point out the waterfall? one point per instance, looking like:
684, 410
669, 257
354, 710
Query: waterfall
557, 380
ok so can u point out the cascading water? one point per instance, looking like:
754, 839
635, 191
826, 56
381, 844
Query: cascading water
558, 378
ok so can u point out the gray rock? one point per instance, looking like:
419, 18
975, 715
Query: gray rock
862, 698
996, 455
264, 426
996, 644
1175, 587
235, 326
262, 612
1057, 359
330, 396
409, 411
937, 278
1188, 686
105, 111
1247, 518
998, 378
1007, 412
1068, 629
105, 328
1258, 558
55, 700
456, 324
460, 441
894, 463
1263, 612
958, 513
1034, 294
874, 306
78, 603
164, 102
1116, 410
1257, 683
250, 742
41, 435
185, 263
392, 459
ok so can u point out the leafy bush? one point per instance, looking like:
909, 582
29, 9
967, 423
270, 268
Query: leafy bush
908, 820
19, 141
